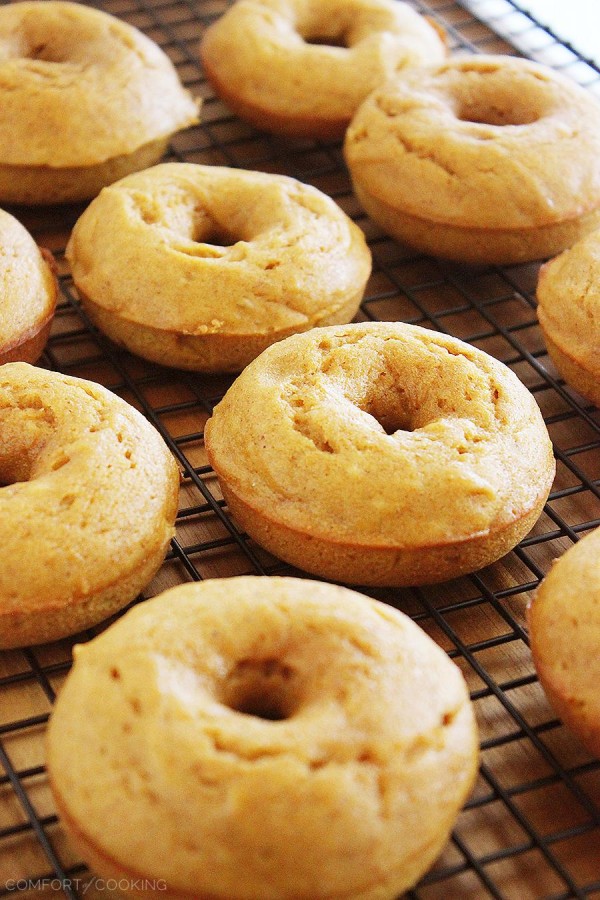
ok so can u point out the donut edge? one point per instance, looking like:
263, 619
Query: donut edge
211, 352
372, 565
577, 376
45, 185
473, 245
31, 343
22, 629
577, 715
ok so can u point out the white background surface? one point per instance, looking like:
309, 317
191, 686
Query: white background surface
576, 21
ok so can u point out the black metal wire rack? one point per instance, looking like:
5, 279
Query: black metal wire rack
532, 826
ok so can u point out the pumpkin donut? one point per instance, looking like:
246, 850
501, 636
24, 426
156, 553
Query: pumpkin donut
568, 294
88, 496
481, 159
202, 267
262, 739
302, 67
381, 454
84, 99
28, 289
564, 627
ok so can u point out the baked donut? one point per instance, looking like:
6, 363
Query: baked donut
482, 159
262, 739
564, 628
84, 100
28, 289
302, 67
381, 454
88, 493
568, 294
202, 267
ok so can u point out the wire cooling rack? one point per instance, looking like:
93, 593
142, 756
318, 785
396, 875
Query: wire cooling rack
532, 826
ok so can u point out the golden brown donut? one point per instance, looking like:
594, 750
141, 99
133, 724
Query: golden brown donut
202, 267
381, 453
568, 294
84, 99
482, 159
564, 627
262, 739
302, 67
28, 289
88, 496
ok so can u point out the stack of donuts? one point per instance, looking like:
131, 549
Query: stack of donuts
266, 738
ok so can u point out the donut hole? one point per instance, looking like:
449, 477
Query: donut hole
202, 228
39, 41
264, 688
45, 51
217, 236
32, 48
209, 243
391, 407
391, 418
25, 431
187, 220
321, 29
15, 469
484, 100
342, 26
486, 92
328, 40
495, 113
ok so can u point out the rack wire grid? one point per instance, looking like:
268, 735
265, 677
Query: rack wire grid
531, 828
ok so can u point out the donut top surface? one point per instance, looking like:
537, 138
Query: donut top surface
568, 294
78, 86
27, 284
245, 252
386, 434
315, 58
273, 738
82, 474
521, 135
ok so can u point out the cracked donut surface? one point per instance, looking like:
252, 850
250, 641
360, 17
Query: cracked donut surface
302, 67
479, 159
263, 739
381, 453
84, 99
88, 496
202, 267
